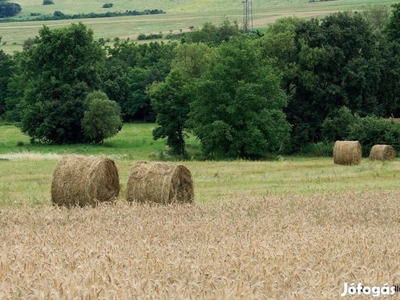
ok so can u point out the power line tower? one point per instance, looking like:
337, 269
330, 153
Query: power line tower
247, 16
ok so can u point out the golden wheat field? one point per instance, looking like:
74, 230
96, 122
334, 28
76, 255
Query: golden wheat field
273, 247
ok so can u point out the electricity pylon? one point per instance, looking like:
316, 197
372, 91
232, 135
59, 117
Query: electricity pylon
247, 16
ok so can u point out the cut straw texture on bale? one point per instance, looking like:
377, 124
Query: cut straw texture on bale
84, 180
157, 182
382, 152
347, 153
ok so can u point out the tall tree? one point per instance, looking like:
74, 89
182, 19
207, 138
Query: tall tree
58, 73
337, 66
131, 67
6, 64
9, 9
237, 104
171, 98
278, 43
392, 29
377, 16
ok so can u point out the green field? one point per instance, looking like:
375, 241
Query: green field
179, 16
26, 171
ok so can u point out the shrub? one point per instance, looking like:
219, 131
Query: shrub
337, 127
151, 36
58, 14
102, 118
107, 5
320, 149
48, 2
373, 130
9, 9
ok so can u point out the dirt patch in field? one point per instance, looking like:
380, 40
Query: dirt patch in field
303, 15
29, 156
292, 247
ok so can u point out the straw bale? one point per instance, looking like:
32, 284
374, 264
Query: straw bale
347, 153
382, 152
84, 180
158, 182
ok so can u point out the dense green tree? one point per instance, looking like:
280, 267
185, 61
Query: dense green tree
337, 125
192, 59
373, 130
212, 34
336, 66
6, 64
388, 56
237, 104
278, 43
9, 9
57, 74
116, 83
131, 67
102, 118
392, 29
138, 104
170, 99
377, 16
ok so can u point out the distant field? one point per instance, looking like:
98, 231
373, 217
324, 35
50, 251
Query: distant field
179, 15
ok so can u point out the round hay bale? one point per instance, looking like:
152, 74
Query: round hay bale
382, 152
84, 180
160, 183
347, 153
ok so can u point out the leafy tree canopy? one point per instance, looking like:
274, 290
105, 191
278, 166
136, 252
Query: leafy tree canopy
6, 64
58, 72
171, 98
392, 29
102, 118
237, 104
131, 68
9, 9
337, 65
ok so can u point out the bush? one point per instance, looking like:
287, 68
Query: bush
337, 127
48, 2
107, 5
320, 149
58, 13
373, 130
9, 9
102, 119
151, 36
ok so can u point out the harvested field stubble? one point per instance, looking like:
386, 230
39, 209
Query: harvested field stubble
292, 247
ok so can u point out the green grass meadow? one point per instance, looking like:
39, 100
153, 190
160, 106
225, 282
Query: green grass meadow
26, 171
180, 14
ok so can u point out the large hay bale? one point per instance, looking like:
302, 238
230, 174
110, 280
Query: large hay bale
160, 183
382, 152
84, 180
347, 153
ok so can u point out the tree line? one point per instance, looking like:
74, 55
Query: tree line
301, 83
